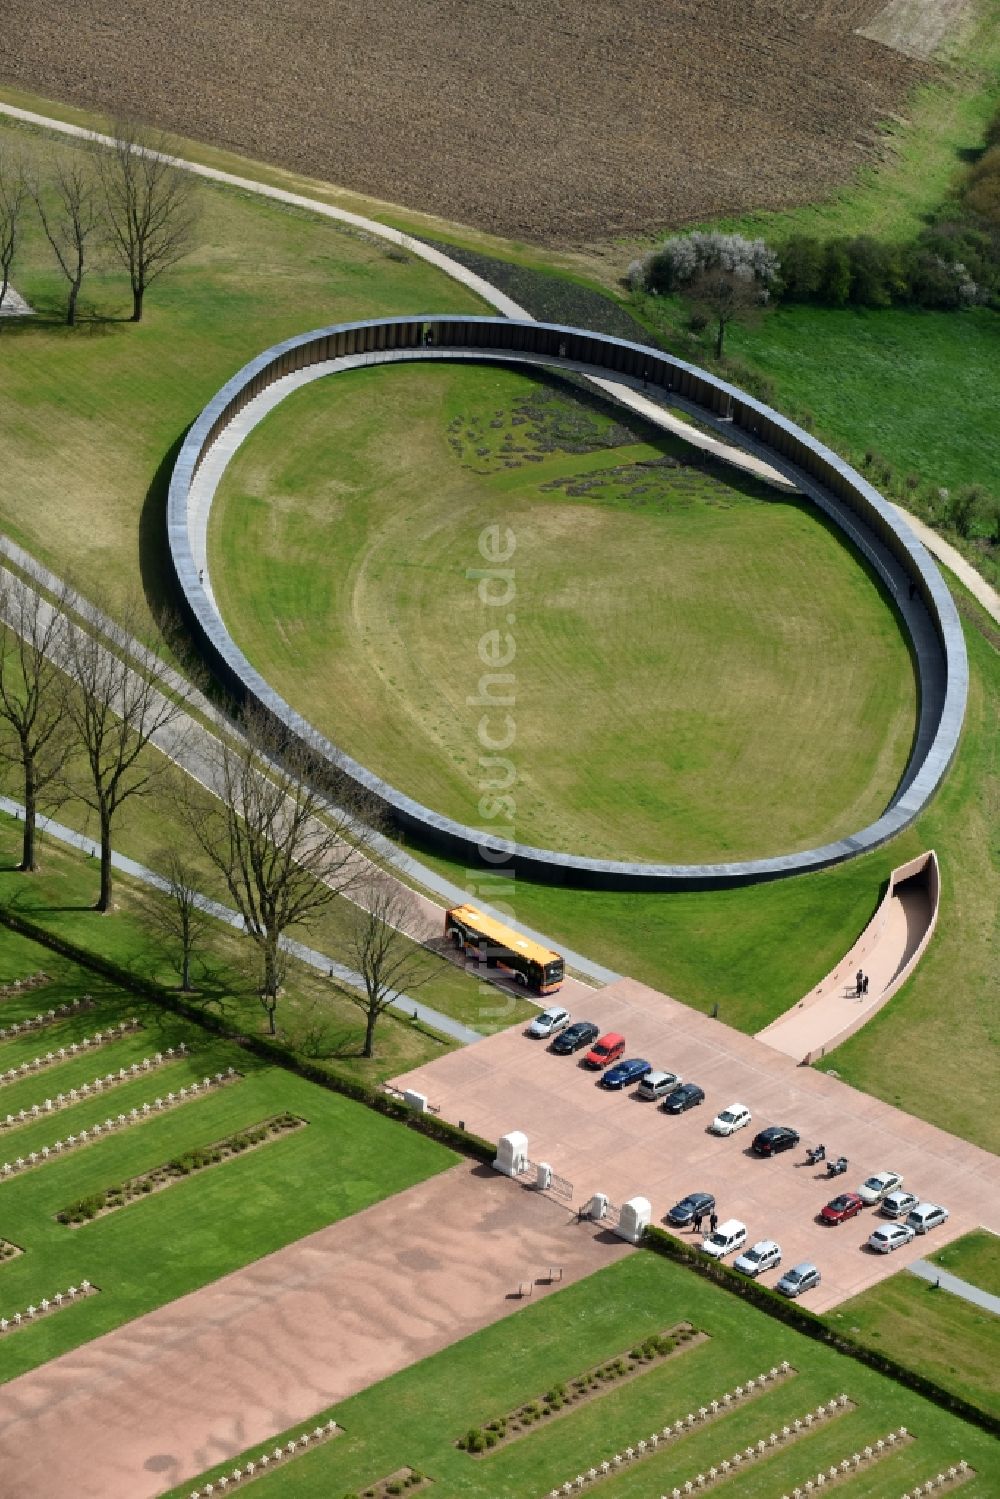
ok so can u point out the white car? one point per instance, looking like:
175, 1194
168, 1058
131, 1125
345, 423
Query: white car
925, 1216
726, 1239
764, 1255
891, 1236
737, 1116
549, 1022
879, 1186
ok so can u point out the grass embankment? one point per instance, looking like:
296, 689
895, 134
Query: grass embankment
674, 693
204, 1226
754, 952
92, 415
940, 1335
414, 1418
975, 1258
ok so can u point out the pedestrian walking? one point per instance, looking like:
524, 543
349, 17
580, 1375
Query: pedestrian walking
713, 1222
697, 1221
859, 985
864, 985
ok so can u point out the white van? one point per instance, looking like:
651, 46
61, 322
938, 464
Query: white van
657, 1085
728, 1237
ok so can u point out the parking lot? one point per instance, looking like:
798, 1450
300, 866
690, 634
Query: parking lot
614, 1143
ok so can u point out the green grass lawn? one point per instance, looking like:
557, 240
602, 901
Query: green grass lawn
190, 1233
93, 416
920, 388
674, 693
940, 1335
414, 1418
975, 1258
753, 952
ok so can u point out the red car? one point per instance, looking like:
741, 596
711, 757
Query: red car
847, 1205
605, 1051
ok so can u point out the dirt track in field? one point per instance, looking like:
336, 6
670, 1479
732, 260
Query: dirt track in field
558, 121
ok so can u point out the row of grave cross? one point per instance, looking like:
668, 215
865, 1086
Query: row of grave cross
99, 1038
60, 1299
266, 1460
37, 1157
46, 1017
85, 1090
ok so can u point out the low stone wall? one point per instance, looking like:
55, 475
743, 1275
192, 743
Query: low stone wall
873, 526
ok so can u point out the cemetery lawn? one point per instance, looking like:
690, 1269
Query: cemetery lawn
414, 1418
942, 1336
200, 1227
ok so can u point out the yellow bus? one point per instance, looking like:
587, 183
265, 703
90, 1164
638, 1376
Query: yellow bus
488, 941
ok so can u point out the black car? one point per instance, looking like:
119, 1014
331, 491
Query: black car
581, 1033
684, 1097
771, 1141
695, 1202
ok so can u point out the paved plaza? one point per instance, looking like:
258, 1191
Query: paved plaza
614, 1143
158, 1401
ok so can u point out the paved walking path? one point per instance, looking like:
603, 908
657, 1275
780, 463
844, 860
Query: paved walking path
158, 1401
891, 943
318, 960
955, 1285
494, 297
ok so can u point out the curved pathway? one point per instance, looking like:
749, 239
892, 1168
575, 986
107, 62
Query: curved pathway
494, 297
855, 507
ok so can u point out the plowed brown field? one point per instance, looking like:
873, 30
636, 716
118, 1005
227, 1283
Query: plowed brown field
559, 121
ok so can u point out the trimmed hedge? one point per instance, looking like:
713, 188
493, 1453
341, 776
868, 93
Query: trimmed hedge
460, 1140
811, 1326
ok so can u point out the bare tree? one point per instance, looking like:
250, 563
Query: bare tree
385, 950
150, 206
32, 699
125, 698
13, 201
287, 835
725, 297
71, 214
178, 913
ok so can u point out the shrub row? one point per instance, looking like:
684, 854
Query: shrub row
86, 1208
811, 1326
480, 1439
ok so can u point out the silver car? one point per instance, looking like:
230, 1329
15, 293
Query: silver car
925, 1216
800, 1278
764, 1255
898, 1204
889, 1237
550, 1022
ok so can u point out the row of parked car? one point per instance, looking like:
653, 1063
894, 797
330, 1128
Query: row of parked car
606, 1054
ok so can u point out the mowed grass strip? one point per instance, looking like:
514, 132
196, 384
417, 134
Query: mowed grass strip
942, 1336
415, 1417
693, 671
975, 1258
93, 415
211, 1222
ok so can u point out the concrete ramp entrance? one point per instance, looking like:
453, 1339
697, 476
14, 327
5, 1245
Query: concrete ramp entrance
886, 953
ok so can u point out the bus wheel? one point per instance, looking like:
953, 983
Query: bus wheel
521, 980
